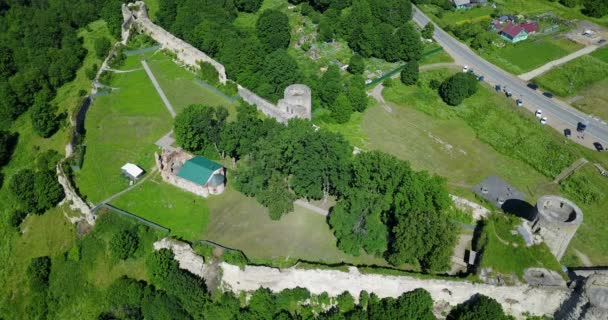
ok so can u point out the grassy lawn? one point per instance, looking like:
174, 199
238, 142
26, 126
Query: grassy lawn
463, 16
237, 221
601, 54
530, 54
186, 214
595, 100
569, 79
121, 127
507, 253
592, 236
182, 89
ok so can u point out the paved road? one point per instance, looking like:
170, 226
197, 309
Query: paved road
559, 113
550, 65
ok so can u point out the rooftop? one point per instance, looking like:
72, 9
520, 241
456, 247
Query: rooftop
512, 30
198, 170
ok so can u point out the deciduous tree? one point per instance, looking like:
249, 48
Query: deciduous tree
273, 30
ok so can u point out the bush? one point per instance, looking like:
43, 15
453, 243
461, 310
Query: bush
44, 120
248, 5
124, 244
91, 72
102, 47
16, 217
457, 88
356, 64
346, 302
388, 83
434, 84
208, 74
236, 258
582, 189
410, 73
38, 273
36, 191
7, 144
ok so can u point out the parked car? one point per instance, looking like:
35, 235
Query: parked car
548, 94
567, 133
580, 127
465, 69
508, 94
481, 78
498, 88
538, 113
543, 120
532, 86
520, 102
598, 146
601, 41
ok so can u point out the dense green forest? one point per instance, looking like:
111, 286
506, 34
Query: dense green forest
257, 58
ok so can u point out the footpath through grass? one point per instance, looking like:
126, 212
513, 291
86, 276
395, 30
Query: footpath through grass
121, 127
530, 54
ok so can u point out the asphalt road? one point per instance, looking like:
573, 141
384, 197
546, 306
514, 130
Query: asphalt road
597, 130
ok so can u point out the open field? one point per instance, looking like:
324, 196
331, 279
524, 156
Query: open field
181, 87
595, 100
186, 214
121, 127
237, 221
569, 79
530, 54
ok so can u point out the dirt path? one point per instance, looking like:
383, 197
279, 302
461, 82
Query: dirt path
122, 71
584, 258
570, 170
312, 207
160, 91
550, 65
116, 195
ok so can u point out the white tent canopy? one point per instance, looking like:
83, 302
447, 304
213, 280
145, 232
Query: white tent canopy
132, 170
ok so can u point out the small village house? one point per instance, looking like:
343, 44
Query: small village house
195, 174
514, 33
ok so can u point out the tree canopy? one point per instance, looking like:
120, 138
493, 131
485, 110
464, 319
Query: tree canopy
273, 30
479, 307
199, 126
458, 87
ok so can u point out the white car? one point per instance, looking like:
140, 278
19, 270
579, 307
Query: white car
520, 102
465, 69
543, 120
538, 113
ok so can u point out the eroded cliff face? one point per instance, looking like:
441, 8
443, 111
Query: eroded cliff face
516, 300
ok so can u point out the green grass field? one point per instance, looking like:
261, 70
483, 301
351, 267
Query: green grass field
182, 89
569, 79
507, 253
237, 221
595, 99
186, 214
601, 54
530, 54
121, 127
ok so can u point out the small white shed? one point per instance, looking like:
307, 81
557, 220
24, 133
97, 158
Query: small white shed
132, 171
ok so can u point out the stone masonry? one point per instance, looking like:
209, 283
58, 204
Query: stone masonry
296, 102
185, 52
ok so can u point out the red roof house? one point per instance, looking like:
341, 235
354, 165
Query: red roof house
514, 33
530, 27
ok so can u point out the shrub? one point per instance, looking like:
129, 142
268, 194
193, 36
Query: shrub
236, 258
124, 244
346, 302
208, 74
434, 84
457, 88
356, 64
410, 73
388, 82
38, 273
16, 217
582, 189
102, 47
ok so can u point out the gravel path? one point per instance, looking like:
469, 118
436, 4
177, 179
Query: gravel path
160, 91
550, 65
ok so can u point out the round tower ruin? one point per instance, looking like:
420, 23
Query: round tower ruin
297, 101
557, 221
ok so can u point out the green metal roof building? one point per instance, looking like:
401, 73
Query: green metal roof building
200, 170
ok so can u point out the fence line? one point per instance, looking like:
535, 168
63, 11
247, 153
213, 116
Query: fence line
398, 69
130, 215
144, 50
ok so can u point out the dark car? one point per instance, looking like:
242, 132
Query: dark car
481, 78
601, 41
580, 127
498, 88
532, 86
598, 146
567, 132
548, 94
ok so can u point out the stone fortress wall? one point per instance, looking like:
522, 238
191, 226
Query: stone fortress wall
297, 99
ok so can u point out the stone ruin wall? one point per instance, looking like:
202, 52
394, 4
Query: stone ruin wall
163, 163
191, 56
185, 52
263, 105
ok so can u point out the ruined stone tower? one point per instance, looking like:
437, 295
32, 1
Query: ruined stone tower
296, 101
557, 221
